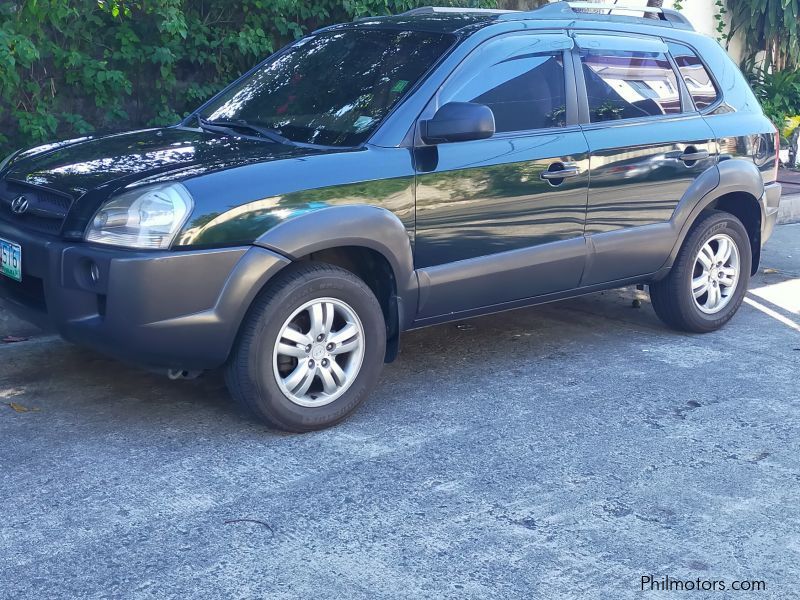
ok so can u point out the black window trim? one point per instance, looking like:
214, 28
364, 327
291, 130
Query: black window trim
583, 100
720, 96
570, 90
687, 102
637, 120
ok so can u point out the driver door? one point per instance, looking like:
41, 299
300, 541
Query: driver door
493, 225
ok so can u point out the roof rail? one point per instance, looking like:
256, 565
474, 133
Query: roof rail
603, 12
429, 10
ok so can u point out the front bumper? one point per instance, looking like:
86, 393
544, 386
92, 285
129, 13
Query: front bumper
178, 309
770, 201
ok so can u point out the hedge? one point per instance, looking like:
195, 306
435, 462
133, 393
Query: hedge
68, 68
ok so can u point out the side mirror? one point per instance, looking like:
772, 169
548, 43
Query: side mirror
458, 122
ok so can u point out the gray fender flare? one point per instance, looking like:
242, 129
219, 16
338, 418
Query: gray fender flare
353, 225
733, 175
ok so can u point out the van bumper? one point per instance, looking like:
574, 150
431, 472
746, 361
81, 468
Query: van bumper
160, 309
770, 200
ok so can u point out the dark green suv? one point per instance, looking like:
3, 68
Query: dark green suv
393, 173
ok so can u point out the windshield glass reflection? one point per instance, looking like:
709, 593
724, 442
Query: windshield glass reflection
332, 88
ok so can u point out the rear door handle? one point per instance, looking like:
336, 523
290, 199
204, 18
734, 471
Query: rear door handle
693, 155
562, 173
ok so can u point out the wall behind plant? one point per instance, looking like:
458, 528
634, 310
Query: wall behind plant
68, 68
711, 18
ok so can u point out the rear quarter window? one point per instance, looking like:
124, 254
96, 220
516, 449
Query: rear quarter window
694, 73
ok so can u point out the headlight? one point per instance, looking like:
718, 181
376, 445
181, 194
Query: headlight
147, 217
8, 159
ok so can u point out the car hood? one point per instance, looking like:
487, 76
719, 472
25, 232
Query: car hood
114, 161
241, 187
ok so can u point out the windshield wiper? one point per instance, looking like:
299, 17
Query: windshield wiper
241, 125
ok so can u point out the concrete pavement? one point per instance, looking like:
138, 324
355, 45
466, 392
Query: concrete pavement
561, 451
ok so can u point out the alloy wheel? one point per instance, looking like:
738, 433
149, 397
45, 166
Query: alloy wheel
715, 274
319, 352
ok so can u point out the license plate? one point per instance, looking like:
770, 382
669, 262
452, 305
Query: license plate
10, 260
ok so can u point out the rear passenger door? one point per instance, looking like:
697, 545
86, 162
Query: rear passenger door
647, 146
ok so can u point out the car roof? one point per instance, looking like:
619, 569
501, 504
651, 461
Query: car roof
464, 21
450, 22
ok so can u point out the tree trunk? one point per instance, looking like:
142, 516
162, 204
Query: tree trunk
654, 4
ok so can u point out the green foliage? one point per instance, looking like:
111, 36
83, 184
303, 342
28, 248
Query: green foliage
719, 19
779, 93
770, 26
72, 67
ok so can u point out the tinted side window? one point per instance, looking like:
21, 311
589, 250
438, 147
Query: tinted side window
625, 85
524, 89
701, 86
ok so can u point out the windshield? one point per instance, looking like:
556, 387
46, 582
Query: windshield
332, 88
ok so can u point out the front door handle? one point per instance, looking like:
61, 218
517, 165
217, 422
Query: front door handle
693, 155
560, 171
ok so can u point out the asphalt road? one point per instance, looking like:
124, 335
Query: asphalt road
556, 452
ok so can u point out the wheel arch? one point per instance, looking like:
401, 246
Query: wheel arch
374, 269
370, 242
734, 187
746, 208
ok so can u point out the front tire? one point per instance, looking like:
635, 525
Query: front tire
709, 279
310, 350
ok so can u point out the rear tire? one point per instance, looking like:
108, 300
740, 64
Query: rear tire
709, 279
310, 349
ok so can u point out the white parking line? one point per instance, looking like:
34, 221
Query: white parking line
775, 315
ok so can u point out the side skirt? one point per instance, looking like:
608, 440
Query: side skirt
534, 301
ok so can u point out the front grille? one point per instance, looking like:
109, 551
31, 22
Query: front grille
46, 210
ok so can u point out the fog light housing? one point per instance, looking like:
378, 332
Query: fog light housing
94, 273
